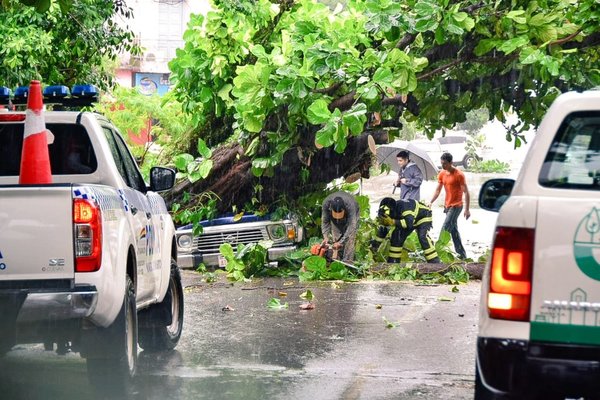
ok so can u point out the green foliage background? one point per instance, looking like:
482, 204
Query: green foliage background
69, 42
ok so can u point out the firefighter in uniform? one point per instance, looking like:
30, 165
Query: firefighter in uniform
401, 218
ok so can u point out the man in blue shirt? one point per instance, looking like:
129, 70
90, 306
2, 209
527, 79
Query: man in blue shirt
410, 177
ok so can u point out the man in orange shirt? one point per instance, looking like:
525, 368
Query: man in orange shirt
455, 184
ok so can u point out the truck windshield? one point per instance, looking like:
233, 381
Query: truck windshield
70, 154
573, 160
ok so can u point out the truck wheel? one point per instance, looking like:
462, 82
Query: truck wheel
164, 324
469, 161
112, 373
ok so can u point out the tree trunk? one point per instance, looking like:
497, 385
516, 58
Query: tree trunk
232, 180
475, 270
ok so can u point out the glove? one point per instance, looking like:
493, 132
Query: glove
374, 245
337, 245
386, 220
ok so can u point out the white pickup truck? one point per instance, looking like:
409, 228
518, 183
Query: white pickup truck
88, 262
539, 325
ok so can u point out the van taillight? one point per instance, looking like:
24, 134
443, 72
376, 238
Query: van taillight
510, 274
87, 225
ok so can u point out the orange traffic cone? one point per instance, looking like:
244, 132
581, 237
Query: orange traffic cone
35, 159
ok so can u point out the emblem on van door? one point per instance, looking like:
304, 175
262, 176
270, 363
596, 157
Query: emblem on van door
587, 244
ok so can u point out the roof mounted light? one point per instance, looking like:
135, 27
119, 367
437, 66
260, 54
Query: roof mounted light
21, 94
4, 94
84, 91
55, 92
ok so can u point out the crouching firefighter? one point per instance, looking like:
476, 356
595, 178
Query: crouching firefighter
401, 218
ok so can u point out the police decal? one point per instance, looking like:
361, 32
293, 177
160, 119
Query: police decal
587, 243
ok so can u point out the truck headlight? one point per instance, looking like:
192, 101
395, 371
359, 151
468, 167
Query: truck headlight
277, 231
184, 241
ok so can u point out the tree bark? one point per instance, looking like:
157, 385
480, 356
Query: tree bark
231, 177
475, 270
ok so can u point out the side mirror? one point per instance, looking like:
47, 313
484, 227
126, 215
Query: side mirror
494, 193
161, 179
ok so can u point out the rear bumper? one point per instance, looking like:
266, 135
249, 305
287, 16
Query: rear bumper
192, 260
521, 368
52, 306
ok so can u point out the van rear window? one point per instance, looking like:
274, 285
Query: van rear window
71, 153
573, 160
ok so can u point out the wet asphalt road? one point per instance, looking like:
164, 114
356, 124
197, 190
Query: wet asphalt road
342, 349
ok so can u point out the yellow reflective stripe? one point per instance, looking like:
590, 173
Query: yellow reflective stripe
403, 223
395, 248
378, 239
429, 250
430, 243
409, 212
395, 254
424, 220
431, 256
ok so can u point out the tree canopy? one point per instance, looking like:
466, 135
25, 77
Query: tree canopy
70, 42
288, 80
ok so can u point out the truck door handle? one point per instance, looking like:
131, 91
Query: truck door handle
134, 210
148, 215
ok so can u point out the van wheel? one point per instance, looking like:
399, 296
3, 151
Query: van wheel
163, 322
469, 161
113, 372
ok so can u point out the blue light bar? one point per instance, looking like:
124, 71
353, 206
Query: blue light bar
84, 91
21, 94
56, 92
4, 93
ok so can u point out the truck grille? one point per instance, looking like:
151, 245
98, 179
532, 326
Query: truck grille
209, 242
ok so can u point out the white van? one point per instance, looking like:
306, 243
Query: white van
539, 322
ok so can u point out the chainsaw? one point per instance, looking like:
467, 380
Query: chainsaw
330, 254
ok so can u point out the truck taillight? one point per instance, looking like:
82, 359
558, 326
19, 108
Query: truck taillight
87, 225
510, 274
8, 117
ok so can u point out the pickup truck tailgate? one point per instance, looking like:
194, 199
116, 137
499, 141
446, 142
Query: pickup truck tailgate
565, 297
36, 233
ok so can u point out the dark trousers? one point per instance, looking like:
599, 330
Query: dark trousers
399, 236
451, 225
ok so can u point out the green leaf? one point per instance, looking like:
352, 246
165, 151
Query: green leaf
203, 149
424, 9
518, 16
383, 76
318, 113
455, 29
275, 303
485, 45
530, 55
388, 324
205, 168
308, 295
182, 160
355, 118
512, 44
226, 250
427, 24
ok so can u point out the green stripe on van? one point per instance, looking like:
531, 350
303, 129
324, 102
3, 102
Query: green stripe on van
564, 333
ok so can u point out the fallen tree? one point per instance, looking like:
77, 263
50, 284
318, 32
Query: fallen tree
286, 92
